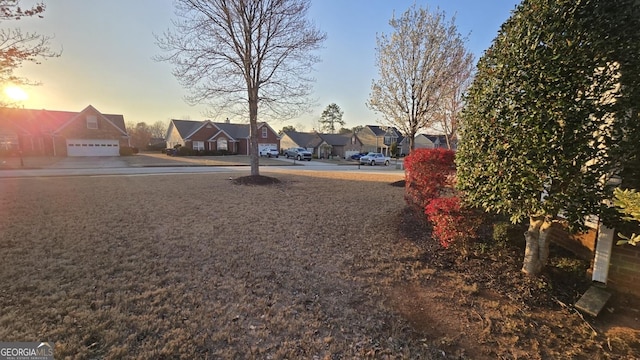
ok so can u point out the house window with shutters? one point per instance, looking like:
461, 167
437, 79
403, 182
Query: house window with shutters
222, 144
92, 122
264, 133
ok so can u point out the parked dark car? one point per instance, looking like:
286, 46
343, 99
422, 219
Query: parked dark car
171, 152
357, 156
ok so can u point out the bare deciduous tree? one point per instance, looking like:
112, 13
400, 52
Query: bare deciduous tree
238, 55
448, 114
158, 129
16, 46
417, 65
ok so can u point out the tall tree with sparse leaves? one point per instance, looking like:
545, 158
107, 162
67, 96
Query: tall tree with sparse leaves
552, 116
417, 65
331, 116
17, 46
449, 111
244, 56
158, 129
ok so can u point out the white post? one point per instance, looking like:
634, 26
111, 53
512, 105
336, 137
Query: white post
604, 246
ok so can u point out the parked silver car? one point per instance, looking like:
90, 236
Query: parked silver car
375, 158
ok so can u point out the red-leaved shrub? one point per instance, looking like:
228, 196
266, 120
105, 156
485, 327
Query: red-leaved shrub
429, 173
429, 187
452, 222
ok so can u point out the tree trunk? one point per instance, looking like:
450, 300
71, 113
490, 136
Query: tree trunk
254, 158
412, 136
536, 251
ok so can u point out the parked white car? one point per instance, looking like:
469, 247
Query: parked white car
270, 153
375, 159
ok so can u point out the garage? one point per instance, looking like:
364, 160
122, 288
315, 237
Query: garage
262, 147
91, 147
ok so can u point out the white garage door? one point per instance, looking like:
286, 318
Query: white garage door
266, 147
88, 147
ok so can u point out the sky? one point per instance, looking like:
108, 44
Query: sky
107, 50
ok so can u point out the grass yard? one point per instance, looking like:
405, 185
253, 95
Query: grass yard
196, 267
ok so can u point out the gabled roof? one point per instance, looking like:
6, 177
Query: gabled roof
336, 139
30, 121
107, 118
303, 139
383, 130
437, 139
186, 128
406, 139
373, 135
237, 131
231, 138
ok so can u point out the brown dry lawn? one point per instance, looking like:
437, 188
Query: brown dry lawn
196, 267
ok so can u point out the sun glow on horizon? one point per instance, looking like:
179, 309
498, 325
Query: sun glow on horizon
15, 93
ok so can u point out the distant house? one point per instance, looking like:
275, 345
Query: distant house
61, 133
321, 145
376, 138
338, 145
425, 141
308, 140
420, 141
214, 136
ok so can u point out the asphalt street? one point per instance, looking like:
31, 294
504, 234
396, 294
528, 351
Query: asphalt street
93, 166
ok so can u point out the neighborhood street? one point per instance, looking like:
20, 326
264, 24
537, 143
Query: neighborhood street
158, 164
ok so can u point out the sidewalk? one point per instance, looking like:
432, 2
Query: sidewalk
138, 160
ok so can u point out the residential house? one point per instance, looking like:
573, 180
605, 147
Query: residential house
425, 141
376, 138
214, 136
308, 140
323, 146
61, 133
617, 266
338, 145
440, 141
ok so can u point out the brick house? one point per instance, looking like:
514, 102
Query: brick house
616, 266
61, 133
213, 136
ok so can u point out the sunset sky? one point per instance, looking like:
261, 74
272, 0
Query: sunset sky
107, 50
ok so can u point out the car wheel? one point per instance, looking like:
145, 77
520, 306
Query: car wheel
373, 162
386, 163
299, 157
276, 156
309, 159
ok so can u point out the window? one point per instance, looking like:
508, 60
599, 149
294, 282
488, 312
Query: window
389, 139
264, 132
222, 144
92, 122
198, 145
